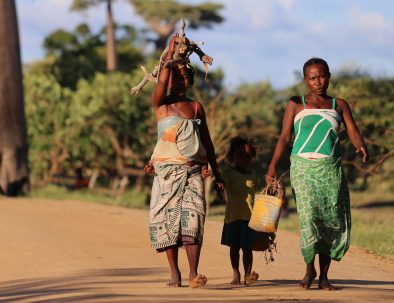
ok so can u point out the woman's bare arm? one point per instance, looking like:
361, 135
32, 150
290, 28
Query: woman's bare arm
207, 143
352, 130
160, 91
283, 141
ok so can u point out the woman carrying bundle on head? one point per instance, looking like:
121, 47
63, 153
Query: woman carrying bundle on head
179, 161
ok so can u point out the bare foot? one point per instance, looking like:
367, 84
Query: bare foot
325, 284
308, 279
173, 283
250, 279
198, 281
236, 278
175, 279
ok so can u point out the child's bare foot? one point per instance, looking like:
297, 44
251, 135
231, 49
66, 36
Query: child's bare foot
325, 284
197, 281
250, 279
236, 278
308, 279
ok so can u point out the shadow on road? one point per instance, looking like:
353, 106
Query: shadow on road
117, 285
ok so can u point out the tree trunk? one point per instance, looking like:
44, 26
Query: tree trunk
14, 172
111, 49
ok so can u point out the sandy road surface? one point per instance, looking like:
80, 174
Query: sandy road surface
70, 251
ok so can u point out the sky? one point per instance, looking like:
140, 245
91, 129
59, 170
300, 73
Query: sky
260, 40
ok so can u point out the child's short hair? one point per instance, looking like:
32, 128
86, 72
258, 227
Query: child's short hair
238, 142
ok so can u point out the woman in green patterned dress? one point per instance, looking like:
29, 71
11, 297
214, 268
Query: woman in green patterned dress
317, 179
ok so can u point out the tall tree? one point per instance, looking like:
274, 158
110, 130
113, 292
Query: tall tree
79, 5
162, 15
71, 56
14, 173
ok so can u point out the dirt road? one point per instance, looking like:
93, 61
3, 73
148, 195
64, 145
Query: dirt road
70, 251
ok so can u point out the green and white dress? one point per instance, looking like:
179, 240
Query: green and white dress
319, 185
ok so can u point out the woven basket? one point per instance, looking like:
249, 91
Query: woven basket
266, 208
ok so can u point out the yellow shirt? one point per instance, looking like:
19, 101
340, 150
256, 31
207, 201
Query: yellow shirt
240, 190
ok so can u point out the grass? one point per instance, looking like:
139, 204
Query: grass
371, 228
130, 199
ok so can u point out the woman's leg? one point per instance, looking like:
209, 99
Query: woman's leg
234, 258
172, 256
324, 263
310, 275
193, 256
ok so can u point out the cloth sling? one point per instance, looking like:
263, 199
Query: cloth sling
178, 141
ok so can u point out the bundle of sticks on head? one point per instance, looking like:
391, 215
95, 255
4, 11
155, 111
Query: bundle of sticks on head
184, 47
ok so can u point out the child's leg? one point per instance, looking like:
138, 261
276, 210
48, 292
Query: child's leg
324, 263
172, 256
193, 256
234, 257
310, 275
247, 258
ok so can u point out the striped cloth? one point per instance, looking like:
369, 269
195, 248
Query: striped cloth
316, 132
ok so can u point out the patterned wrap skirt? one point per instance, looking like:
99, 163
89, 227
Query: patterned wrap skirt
323, 206
177, 207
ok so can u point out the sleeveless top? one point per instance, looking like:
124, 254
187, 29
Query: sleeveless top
316, 132
178, 141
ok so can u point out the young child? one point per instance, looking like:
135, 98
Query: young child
241, 184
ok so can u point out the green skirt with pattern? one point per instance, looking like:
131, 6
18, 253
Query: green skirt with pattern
323, 206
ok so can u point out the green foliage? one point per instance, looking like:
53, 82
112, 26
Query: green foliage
78, 5
47, 109
92, 127
105, 115
80, 54
169, 10
162, 15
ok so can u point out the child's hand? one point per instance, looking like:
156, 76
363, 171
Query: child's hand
219, 186
205, 172
149, 169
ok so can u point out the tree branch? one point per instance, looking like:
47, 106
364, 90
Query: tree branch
185, 45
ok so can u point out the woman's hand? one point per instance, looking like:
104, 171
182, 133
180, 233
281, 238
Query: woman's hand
149, 169
205, 172
363, 150
270, 176
171, 46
